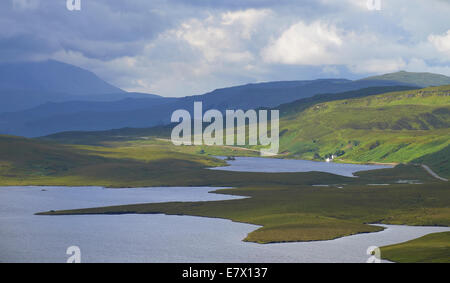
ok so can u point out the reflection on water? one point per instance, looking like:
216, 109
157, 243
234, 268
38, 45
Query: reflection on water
25, 237
273, 165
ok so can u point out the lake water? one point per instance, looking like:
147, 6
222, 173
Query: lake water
274, 165
25, 237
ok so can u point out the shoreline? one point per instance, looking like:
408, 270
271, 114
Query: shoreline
159, 209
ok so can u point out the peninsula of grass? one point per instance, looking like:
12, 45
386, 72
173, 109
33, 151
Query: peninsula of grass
361, 127
303, 212
432, 248
288, 206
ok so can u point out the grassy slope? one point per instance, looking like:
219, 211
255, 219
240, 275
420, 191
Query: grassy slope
150, 163
392, 127
136, 134
438, 161
403, 126
115, 135
286, 204
421, 79
431, 248
27, 162
300, 105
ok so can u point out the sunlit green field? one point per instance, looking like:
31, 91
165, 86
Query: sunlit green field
430, 248
288, 206
364, 127
389, 128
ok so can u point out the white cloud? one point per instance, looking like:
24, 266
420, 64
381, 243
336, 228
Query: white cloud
378, 66
184, 49
441, 42
247, 20
330, 70
360, 4
210, 40
363, 50
223, 37
313, 44
419, 65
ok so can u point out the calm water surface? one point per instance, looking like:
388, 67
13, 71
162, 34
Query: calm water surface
25, 237
273, 165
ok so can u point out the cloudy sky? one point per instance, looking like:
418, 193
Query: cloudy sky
186, 47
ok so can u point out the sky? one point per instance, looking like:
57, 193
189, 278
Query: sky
188, 47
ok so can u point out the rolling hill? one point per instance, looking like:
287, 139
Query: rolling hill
92, 116
26, 161
88, 115
439, 161
26, 85
419, 79
271, 94
392, 127
92, 137
43, 98
53, 76
381, 124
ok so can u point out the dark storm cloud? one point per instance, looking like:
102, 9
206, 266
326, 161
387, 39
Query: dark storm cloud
117, 27
182, 47
23, 47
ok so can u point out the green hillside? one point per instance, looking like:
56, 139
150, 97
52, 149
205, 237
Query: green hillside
34, 162
132, 134
432, 248
419, 79
382, 124
389, 128
438, 161
300, 105
288, 206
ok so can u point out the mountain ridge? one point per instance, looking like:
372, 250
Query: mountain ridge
391, 127
423, 79
78, 112
53, 76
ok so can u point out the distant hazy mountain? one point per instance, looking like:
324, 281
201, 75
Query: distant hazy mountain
88, 116
419, 79
42, 98
272, 94
85, 115
19, 100
286, 110
378, 124
29, 84
52, 76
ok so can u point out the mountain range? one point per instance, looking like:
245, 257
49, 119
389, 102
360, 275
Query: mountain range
381, 124
24, 85
390, 127
43, 98
418, 79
